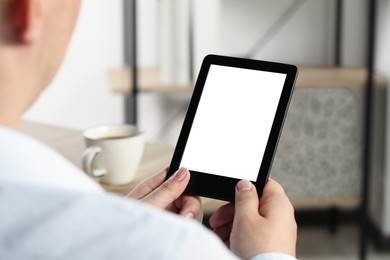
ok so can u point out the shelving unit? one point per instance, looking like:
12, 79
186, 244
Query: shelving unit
150, 81
309, 77
364, 78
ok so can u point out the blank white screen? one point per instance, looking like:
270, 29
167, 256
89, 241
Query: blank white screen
233, 122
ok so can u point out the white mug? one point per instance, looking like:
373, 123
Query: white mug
113, 152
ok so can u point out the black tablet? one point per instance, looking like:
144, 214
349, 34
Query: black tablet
233, 124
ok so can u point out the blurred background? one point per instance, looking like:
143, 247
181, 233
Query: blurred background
138, 65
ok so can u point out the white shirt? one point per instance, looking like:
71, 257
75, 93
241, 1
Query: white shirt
49, 209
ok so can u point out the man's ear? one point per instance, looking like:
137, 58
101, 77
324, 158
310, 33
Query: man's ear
25, 19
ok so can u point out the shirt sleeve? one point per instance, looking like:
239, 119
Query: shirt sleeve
63, 225
272, 256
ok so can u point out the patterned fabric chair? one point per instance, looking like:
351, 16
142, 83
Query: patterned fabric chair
318, 160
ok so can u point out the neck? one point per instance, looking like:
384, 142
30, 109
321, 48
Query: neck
15, 97
19, 85
11, 110
10, 122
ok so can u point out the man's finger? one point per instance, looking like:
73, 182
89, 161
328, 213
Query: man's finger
274, 192
170, 190
222, 216
190, 207
224, 232
148, 185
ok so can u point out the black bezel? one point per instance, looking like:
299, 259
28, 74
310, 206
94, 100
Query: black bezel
220, 187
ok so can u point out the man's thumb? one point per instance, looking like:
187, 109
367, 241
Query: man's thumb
247, 200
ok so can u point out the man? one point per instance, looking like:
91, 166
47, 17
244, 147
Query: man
49, 209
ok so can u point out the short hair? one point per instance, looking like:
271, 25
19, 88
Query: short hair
3, 4
3, 17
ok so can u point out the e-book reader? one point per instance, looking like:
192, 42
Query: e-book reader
233, 124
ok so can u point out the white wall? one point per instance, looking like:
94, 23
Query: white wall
383, 66
306, 38
148, 20
231, 27
80, 96
354, 32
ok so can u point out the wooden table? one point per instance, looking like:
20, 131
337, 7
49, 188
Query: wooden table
70, 143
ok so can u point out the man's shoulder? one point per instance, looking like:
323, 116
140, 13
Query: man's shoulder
24, 160
66, 224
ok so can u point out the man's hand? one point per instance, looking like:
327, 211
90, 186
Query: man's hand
168, 195
251, 227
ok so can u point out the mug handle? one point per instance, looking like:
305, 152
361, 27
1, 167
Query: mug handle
88, 162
